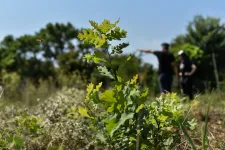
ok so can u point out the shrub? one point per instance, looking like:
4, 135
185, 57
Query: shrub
120, 116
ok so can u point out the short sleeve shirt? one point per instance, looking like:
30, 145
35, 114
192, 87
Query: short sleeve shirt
165, 61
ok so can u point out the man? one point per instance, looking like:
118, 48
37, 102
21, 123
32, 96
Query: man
167, 65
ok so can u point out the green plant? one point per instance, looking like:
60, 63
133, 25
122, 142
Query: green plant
28, 124
161, 123
11, 138
121, 117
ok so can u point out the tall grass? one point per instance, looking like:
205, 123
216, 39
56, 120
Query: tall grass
205, 141
187, 136
17, 89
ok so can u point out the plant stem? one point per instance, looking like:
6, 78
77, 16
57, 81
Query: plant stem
187, 136
110, 63
89, 109
205, 129
138, 132
138, 140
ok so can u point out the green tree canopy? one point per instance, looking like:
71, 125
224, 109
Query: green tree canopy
203, 32
194, 52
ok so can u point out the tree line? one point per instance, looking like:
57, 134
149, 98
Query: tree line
55, 51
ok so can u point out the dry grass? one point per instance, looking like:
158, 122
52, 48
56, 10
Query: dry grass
216, 122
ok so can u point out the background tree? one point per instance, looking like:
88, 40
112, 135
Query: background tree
199, 32
8, 53
194, 52
57, 39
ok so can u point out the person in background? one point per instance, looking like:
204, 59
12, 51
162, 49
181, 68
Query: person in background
167, 66
186, 70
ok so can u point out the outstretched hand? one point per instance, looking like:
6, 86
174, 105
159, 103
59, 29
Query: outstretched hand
145, 51
140, 50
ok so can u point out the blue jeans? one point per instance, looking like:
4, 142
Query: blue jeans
165, 82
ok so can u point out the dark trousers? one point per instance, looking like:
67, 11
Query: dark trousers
186, 84
165, 82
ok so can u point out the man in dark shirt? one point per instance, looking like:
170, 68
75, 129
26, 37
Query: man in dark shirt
167, 66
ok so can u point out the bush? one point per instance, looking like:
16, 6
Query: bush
120, 116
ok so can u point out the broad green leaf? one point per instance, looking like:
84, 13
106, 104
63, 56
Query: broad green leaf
84, 112
88, 36
123, 119
111, 124
104, 71
105, 26
92, 37
108, 96
139, 108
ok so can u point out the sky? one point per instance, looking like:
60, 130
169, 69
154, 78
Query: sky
148, 22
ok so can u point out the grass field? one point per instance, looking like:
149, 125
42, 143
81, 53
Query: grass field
216, 121
47, 123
